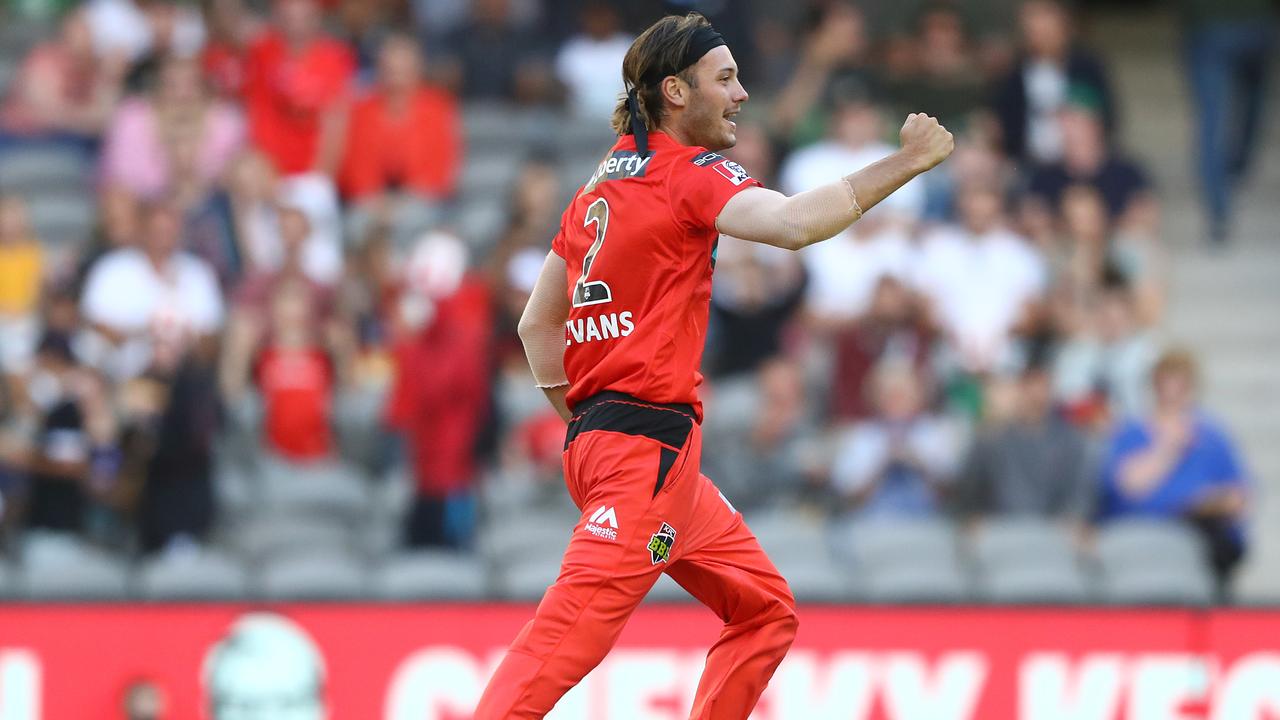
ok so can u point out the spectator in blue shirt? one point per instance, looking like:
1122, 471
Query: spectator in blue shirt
1179, 463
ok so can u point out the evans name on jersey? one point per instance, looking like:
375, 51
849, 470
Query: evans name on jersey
599, 327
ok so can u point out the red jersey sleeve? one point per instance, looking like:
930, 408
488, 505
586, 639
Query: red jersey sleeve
703, 184
557, 243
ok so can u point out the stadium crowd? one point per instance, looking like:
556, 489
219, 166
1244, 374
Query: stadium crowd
311, 226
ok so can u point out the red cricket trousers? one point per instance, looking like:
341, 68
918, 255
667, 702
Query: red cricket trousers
632, 469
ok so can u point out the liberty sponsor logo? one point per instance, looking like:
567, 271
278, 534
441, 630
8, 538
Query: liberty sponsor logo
602, 517
620, 165
661, 543
599, 327
732, 171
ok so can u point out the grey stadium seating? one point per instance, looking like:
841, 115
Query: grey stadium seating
1148, 560
1027, 560
1050, 582
529, 579
515, 539
431, 575
315, 576
206, 575
329, 489
75, 572
876, 544
262, 538
1139, 542
916, 582
1158, 585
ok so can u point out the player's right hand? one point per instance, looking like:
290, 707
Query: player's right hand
924, 138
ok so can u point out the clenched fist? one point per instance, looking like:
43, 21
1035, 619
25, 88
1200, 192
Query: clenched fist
924, 138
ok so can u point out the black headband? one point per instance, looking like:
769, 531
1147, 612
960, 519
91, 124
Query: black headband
704, 39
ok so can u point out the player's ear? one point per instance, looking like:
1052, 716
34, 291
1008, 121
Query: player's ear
675, 91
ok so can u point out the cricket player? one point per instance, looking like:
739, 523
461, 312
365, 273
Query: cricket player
614, 333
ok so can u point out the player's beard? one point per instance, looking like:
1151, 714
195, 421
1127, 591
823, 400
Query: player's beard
711, 129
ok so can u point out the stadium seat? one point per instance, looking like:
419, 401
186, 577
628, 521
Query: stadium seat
498, 126
480, 219
820, 581
436, 575
1134, 544
1048, 582
916, 582
788, 534
31, 170
84, 573
328, 489
1159, 585
268, 536
513, 540
528, 580
59, 218
1006, 542
234, 492
488, 176
876, 544
315, 576
205, 575
8, 581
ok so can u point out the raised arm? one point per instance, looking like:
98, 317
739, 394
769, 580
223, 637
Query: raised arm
769, 217
542, 331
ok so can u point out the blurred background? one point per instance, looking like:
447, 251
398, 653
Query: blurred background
261, 265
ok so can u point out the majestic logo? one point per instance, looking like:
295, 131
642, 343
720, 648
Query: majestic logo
732, 171
605, 516
619, 165
602, 517
661, 543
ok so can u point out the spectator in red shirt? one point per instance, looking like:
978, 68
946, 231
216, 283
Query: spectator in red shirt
297, 80
296, 378
402, 146
439, 397
283, 336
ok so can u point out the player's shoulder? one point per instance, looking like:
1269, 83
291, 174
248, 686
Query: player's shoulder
699, 162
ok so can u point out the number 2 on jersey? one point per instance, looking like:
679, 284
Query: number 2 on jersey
594, 292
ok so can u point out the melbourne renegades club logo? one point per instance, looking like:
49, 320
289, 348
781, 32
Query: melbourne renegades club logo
661, 543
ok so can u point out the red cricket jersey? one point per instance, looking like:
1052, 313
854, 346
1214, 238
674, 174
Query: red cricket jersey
639, 240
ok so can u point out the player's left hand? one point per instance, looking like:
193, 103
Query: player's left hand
924, 138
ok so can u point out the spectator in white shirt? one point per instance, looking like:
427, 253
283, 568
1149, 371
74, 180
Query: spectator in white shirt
149, 304
981, 281
844, 272
588, 62
855, 139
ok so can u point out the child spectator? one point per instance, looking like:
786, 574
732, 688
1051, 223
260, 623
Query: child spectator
21, 273
296, 377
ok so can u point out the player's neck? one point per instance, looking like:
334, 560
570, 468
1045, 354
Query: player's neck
676, 133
